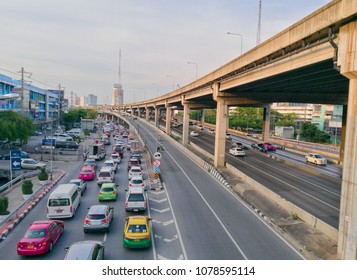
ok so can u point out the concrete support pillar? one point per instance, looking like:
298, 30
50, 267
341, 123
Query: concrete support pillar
186, 120
266, 123
347, 59
156, 116
343, 135
147, 111
168, 119
221, 126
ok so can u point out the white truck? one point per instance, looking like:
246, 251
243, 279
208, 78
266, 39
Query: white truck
96, 151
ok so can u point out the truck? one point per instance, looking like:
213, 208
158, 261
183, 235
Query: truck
96, 151
88, 125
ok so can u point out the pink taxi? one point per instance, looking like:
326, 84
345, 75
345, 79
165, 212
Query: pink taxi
87, 173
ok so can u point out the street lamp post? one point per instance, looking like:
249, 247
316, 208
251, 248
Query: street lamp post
241, 40
196, 67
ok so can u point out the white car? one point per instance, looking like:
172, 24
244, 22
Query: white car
135, 171
315, 159
136, 181
116, 157
29, 163
110, 164
211, 130
228, 136
236, 151
194, 133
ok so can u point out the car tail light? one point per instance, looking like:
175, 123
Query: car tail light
111, 179
145, 203
130, 184
47, 210
70, 208
106, 220
86, 221
146, 237
127, 237
114, 192
126, 204
97, 179
100, 193
142, 184
19, 245
43, 243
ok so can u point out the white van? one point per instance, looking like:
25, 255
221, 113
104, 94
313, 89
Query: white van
63, 201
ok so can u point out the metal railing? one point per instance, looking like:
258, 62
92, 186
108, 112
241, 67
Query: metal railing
18, 178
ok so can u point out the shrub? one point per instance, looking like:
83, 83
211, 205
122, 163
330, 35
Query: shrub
4, 203
27, 187
43, 176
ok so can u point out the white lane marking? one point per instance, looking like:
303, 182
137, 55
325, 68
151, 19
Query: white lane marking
158, 200
160, 210
210, 208
105, 237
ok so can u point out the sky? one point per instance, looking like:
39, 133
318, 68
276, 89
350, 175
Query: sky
76, 43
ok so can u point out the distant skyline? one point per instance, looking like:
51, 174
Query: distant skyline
76, 43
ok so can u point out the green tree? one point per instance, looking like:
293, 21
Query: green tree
312, 134
210, 116
14, 126
246, 117
195, 115
75, 115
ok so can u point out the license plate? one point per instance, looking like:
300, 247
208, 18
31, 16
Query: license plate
59, 210
136, 240
136, 210
30, 246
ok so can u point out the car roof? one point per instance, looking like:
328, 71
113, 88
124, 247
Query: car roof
98, 209
135, 167
105, 169
81, 250
137, 219
137, 177
75, 180
136, 190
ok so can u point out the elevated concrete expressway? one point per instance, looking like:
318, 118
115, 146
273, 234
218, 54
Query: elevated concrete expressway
312, 61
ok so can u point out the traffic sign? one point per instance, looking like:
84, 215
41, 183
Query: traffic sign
15, 161
156, 175
157, 163
157, 155
157, 169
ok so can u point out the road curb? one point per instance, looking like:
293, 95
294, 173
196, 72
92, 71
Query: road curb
7, 228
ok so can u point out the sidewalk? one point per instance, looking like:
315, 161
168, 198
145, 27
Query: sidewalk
19, 207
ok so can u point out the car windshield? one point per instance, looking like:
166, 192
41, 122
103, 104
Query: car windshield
77, 183
136, 181
137, 229
104, 174
114, 156
35, 233
318, 156
107, 189
110, 164
96, 216
58, 202
136, 197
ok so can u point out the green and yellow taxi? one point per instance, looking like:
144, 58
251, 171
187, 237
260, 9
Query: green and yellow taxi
108, 191
137, 232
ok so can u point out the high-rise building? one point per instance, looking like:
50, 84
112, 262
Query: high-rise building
92, 99
117, 94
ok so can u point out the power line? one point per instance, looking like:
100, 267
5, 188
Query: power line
259, 22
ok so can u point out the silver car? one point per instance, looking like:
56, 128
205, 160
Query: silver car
136, 181
85, 250
98, 218
135, 200
110, 164
105, 175
82, 185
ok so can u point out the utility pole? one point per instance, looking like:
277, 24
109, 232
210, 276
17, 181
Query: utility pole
259, 22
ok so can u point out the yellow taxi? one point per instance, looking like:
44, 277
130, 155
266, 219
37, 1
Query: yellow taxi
137, 232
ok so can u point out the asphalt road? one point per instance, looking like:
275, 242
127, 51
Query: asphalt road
305, 185
194, 217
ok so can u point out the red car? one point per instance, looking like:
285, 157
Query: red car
87, 173
40, 237
269, 146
